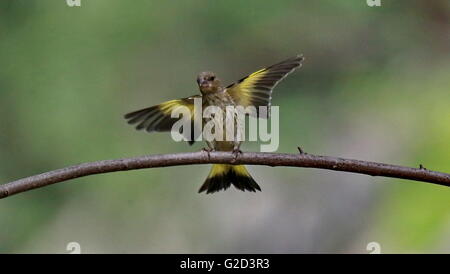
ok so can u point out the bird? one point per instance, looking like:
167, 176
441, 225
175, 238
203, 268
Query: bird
254, 89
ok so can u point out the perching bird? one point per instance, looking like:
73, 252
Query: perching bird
252, 90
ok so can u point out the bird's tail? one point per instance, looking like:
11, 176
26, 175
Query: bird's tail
222, 176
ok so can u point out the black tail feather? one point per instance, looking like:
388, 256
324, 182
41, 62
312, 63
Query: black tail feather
222, 177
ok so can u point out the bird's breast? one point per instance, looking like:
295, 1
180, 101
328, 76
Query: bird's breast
226, 120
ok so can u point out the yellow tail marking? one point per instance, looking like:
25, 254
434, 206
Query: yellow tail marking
220, 169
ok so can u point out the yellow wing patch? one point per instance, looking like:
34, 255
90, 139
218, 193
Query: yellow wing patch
256, 88
158, 118
169, 106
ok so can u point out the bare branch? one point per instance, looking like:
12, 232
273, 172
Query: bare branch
249, 158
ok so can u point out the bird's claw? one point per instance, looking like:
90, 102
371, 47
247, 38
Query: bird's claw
207, 150
236, 153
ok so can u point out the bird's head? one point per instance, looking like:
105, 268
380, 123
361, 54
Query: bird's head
208, 82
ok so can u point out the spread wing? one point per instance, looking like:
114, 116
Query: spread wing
158, 118
256, 88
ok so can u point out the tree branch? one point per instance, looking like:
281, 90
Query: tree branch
250, 158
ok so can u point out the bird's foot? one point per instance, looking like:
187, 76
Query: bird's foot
236, 152
208, 150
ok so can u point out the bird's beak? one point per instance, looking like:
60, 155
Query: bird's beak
204, 84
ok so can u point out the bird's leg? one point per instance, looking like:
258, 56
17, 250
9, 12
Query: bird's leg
208, 149
236, 151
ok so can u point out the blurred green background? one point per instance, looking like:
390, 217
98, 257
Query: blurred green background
375, 86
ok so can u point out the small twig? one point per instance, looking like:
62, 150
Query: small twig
250, 158
300, 150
